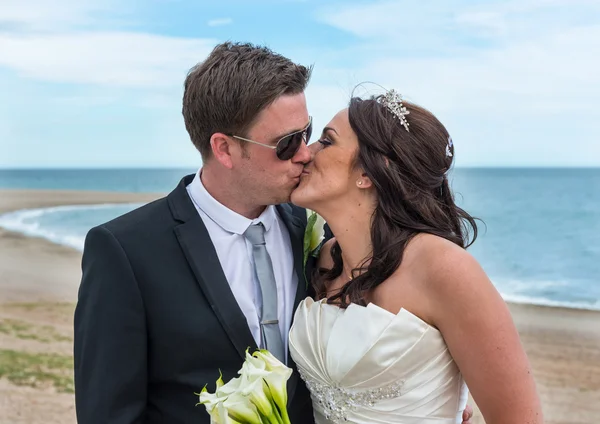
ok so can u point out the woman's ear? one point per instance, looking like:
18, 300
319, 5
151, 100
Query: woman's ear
364, 181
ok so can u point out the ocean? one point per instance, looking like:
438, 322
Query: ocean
540, 241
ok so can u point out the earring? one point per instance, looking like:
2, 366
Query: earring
360, 183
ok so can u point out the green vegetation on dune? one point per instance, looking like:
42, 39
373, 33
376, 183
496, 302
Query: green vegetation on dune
57, 307
37, 369
27, 331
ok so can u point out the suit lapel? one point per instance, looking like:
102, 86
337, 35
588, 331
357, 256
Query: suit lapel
296, 227
202, 257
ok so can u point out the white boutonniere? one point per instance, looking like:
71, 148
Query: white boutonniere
313, 235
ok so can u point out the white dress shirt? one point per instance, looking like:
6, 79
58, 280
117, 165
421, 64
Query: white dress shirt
226, 229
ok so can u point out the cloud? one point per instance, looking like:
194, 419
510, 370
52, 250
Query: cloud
49, 15
526, 72
103, 58
390, 22
220, 22
83, 42
529, 75
513, 20
516, 82
433, 25
512, 80
82, 79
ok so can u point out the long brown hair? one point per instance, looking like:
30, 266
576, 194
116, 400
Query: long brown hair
409, 172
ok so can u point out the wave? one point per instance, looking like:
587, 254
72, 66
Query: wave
541, 301
64, 225
68, 226
544, 292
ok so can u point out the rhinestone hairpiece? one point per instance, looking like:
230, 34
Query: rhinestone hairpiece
393, 102
450, 144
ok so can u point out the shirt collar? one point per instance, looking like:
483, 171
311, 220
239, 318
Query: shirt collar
224, 217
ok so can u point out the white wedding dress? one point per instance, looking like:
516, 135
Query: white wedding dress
367, 365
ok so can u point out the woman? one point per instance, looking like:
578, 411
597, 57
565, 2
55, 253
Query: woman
404, 316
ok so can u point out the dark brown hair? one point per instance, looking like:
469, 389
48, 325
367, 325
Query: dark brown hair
409, 173
227, 91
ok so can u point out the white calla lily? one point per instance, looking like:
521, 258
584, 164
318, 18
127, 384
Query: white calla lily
314, 234
241, 410
258, 393
318, 231
253, 368
257, 396
209, 400
272, 364
214, 401
232, 386
276, 379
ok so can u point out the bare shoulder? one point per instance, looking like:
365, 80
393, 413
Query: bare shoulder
461, 302
325, 261
444, 266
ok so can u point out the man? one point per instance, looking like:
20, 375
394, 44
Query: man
178, 289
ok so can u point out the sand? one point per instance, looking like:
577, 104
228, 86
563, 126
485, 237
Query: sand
38, 290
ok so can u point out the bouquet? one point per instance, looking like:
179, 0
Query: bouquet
257, 396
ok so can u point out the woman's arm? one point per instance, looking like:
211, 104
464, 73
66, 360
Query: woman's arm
482, 338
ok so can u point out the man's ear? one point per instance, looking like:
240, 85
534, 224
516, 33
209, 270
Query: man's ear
222, 147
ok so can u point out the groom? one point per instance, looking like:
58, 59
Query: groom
177, 290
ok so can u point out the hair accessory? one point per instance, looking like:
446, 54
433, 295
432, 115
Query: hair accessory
393, 102
450, 144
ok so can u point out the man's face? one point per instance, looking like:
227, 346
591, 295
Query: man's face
263, 177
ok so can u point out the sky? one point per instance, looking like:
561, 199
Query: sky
98, 83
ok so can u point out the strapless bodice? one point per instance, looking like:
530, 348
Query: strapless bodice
367, 365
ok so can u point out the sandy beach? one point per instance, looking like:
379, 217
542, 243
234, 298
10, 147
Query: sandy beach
38, 290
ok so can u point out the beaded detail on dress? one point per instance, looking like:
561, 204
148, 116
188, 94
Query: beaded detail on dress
338, 401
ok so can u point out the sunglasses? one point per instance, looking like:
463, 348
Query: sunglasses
288, 145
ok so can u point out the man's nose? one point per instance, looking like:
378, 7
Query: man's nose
303, 155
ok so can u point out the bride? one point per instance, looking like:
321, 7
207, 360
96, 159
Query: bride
404, 318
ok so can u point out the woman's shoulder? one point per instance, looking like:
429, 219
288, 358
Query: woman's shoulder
429, 247
447, 267
434, 271
439, 261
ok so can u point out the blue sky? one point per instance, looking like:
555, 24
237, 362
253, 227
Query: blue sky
98, 83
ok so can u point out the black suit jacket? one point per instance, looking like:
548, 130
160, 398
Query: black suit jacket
156, 319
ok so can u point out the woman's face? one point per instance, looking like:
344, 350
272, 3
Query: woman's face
332, 174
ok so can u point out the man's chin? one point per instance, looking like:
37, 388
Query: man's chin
283, 198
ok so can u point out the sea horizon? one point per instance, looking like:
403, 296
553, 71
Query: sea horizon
540, 243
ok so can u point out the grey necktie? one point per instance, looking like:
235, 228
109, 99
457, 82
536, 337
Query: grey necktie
269, 323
